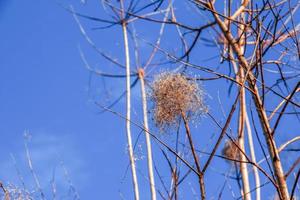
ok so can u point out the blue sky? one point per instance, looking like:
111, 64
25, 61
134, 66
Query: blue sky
45, 90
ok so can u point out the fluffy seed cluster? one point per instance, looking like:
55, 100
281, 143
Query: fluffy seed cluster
172, 94
231, 151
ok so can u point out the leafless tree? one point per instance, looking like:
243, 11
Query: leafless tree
256, 60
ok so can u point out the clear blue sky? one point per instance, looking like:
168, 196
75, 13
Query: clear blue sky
46, 91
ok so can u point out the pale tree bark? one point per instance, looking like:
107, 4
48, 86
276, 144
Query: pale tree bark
242, 114
128, 106
253, 157
241, 141
147, 135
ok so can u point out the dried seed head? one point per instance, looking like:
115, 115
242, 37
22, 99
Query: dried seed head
172, 94
231, 151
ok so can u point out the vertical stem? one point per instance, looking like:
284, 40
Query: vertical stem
175, 177
200, 174
148, 141
241, 138
128, 107
277, 165
253, 157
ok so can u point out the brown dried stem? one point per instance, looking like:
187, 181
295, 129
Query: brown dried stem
196, 159
277, 166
